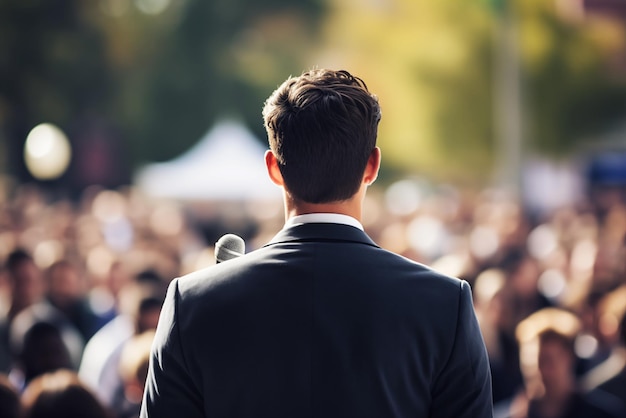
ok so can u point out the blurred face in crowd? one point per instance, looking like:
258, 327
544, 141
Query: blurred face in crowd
117, 278
503, 310
555, 363
148, 319
64, 284
148, 314
27, 284
608, 266
525, 278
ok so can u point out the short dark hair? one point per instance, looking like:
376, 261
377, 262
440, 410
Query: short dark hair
552, 335
17, 257
322, 127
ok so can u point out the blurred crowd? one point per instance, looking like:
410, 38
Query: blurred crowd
82, 283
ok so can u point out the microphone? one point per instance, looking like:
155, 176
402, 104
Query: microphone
228, 247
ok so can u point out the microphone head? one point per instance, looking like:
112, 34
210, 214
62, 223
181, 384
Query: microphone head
228, 247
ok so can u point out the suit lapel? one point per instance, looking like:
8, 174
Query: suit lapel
322, 232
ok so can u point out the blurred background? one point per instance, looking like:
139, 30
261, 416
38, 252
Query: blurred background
131, 139
472, 91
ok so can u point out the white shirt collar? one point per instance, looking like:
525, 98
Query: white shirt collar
334, 218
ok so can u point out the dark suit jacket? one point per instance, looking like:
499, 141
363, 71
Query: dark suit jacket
321, 322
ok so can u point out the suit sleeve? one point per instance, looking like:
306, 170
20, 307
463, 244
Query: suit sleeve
169, 390
463, 388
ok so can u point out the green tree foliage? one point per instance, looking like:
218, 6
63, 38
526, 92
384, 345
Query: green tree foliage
432, 63
152, 76
52, 69
200, 60
574, 90
148, 75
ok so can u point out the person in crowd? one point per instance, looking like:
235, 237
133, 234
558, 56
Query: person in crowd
31, 316
492, 299
590, 314
61, 394
26, 282
133, 370
140, 306
42, 350
44, 312
610, 264
610, 376
320, 321
10, 405
616, 384
104, 298
67, 293
522, 272
548, 363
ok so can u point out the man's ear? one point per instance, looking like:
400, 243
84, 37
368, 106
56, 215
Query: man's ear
373, 165
271, 163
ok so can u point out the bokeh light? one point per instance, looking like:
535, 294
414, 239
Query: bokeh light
552, 283
542, 242
48, 252
47, 152
167, 220
585, 346
109, 206
152, 7
427, 235
403, 197
484, 241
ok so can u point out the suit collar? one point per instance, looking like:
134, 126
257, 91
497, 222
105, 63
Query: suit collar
321, 232
333, 218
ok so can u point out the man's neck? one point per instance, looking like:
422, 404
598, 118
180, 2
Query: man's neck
351, 207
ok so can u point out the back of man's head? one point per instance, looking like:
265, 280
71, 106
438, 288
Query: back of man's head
322, 128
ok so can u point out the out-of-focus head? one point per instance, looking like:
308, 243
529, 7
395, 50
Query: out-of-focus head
133, 366
142, 299
43, 350
556, 360
61, 394
546, 340
25, 279
487, 285
64, 283
523, 272
10, 406
611, 309
148, 313
609, 266
322, 128
117, 277
490, 294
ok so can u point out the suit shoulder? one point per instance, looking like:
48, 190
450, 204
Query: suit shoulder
214, 275
422, 271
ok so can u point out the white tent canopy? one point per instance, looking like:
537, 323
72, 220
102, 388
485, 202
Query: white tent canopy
226, 164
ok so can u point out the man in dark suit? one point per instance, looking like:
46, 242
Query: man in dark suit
320, 322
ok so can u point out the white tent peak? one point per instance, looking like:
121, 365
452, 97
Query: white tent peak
226, 164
